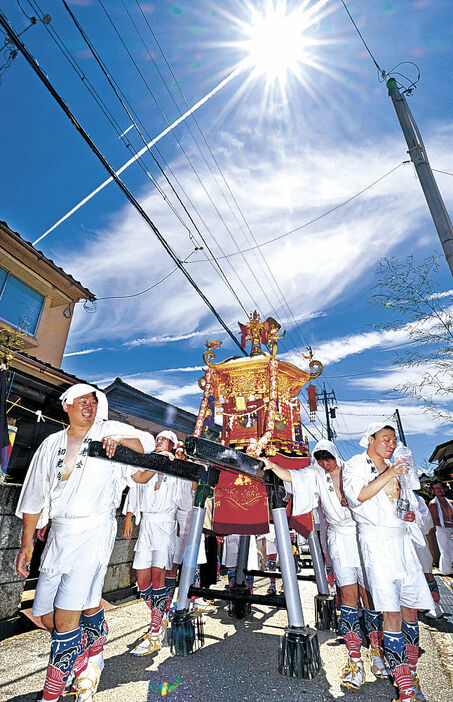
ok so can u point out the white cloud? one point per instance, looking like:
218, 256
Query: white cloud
277, 192
83, 352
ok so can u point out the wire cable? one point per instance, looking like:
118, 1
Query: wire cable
42, 76
380, 70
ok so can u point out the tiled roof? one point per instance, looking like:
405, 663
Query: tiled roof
40, 256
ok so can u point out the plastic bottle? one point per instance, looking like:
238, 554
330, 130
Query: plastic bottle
410, 479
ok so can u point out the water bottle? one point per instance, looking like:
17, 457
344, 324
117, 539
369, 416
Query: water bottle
409, 480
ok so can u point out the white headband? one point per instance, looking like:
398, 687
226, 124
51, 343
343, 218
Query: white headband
168, 434
325, 445
372, 429
83, 389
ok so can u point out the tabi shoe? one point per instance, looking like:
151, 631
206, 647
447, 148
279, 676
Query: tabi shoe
202, 606
271, 590
149, 643
353, 674
379, 668
404, 698
416, 687
86, 684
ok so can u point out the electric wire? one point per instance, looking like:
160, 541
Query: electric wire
380, 71
101, 103
316, 219
275, 283
200, 180
44, 79
121, 99
252, 272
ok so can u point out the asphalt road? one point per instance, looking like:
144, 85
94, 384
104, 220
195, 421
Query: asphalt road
237, 662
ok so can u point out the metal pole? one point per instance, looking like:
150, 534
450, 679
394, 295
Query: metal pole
399, 424
329, 429
288, 568
318, 563
190, 556
419, 158
243, 556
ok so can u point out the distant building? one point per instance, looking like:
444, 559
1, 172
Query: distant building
443, 454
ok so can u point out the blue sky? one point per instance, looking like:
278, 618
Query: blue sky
261, 160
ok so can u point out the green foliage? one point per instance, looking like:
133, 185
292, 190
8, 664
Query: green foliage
10, 341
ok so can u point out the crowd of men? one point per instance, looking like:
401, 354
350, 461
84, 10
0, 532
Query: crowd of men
375, 542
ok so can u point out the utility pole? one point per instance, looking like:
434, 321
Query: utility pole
330, 411
399, 424
419, 158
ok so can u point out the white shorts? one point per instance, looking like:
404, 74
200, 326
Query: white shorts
393, 572
231, 551
344, 556
77, 590
155, 544
445, 543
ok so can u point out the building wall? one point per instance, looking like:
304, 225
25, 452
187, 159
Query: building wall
51, 335
11, 584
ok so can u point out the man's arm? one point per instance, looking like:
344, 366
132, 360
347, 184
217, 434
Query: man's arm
372, 489
142, 476
26, 550
109, 443
128, 527
283, 473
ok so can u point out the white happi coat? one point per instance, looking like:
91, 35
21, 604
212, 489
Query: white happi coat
184, 503
82, 508
387, 543
155, 511
313, 487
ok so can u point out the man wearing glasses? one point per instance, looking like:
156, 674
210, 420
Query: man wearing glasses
79, 495
322, 484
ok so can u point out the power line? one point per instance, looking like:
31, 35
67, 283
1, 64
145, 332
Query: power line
381, 72
122, 99
315, 219
42, 76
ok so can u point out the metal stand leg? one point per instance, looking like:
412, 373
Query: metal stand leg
237, 608
186, 630
325, 610
299, 655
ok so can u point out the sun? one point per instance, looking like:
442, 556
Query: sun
278, 43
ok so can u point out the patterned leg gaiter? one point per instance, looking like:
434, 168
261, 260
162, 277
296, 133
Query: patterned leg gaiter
395, 652
67, 653
231, 576
170, 586
160, 599
433, 588
349, 629
412, 640
147, 596
373, 625
96, 630
272, 567
249, 580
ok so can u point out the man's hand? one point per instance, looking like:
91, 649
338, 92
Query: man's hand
41, 533
23, 560
409, 516
267, 464
109, 443
400, 467
127, 531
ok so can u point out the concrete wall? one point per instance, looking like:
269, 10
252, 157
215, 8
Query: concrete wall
11, 584
120, 574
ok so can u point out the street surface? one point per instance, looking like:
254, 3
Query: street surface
237, 662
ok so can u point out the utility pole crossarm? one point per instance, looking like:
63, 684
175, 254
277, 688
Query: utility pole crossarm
419, 158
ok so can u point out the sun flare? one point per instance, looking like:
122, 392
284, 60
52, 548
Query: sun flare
276, 44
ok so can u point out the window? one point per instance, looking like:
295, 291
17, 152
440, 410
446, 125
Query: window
20, 305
